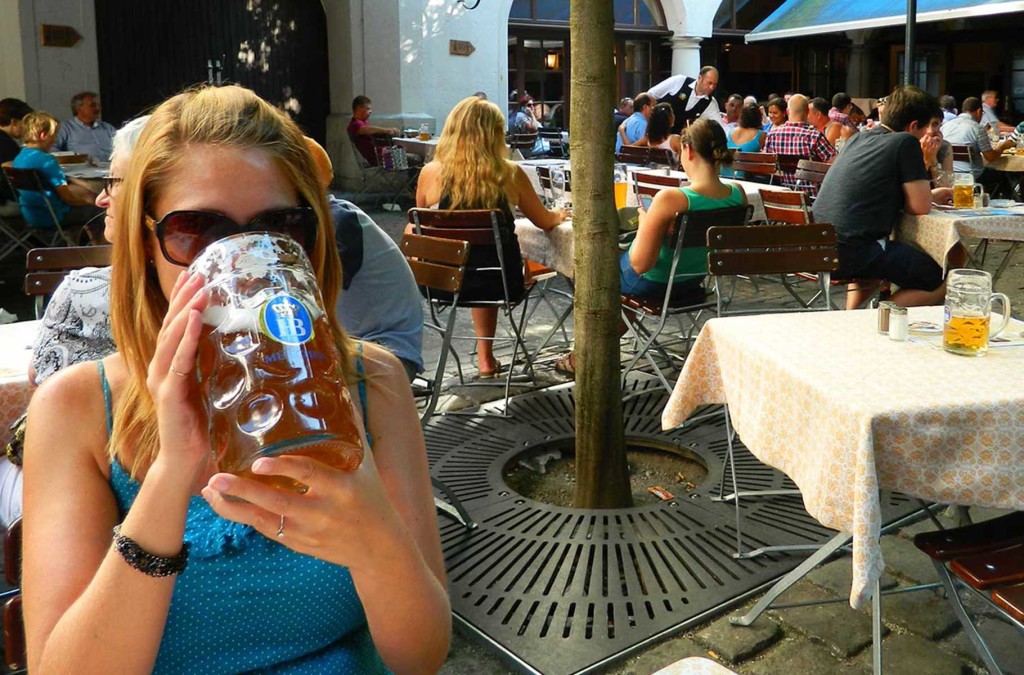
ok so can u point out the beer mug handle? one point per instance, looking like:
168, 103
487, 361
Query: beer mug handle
1001, 297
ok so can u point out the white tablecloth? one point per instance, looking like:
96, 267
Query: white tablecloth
15, 355
845, 412
424, 149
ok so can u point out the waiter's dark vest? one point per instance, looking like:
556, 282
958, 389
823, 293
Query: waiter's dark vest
678, 103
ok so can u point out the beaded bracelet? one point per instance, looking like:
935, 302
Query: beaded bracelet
145, 562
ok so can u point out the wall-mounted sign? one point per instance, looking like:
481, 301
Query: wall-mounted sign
59, 36
460, 47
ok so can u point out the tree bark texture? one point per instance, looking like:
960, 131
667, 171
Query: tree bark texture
602, 476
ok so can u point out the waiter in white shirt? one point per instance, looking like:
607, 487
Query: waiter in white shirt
690, 98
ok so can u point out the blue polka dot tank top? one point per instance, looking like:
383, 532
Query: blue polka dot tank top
248, 604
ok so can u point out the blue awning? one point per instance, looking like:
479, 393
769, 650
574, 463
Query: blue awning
796, 18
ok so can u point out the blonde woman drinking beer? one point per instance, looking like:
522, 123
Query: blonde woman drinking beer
206, 571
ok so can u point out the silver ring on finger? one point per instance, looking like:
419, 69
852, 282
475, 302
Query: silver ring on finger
280, 528
178, 372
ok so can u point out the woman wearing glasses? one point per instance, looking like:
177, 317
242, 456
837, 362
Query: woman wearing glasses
75, 327
202, 576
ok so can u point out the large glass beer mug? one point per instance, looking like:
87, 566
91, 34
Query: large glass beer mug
964, 189
968, 312
269, 369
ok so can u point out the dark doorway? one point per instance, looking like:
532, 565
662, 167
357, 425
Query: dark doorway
149, 51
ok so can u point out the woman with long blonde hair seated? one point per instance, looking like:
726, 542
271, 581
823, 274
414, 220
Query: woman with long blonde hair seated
207, 571
471, 170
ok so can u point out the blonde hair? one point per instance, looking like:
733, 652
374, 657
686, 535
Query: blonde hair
39, 124
228, 117
475, 172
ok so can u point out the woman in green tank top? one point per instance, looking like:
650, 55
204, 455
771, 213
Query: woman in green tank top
645, 267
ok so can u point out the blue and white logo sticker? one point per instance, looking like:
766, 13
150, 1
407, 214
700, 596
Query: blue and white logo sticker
286, 320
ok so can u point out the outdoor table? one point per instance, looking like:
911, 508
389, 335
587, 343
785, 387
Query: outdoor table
938, 231
88, 176
15, 355
846, 412
1012, 162
424, 149
552, 249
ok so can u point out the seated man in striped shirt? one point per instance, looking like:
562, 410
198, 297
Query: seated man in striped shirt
797, 137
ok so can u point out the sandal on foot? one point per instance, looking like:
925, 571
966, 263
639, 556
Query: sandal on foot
566, 364
490, 374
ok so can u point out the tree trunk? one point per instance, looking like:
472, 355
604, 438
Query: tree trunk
602, 476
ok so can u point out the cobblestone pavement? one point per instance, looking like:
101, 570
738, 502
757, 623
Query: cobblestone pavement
922, 637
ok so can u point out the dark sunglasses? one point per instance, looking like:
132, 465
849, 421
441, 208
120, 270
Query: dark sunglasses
109, 182
184, 234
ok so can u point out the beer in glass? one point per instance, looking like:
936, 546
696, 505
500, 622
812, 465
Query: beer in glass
963, 190
270, 371
966, 322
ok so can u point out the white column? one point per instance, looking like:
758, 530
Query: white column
685, 55
857, 66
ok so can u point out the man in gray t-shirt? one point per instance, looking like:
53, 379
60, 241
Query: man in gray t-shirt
379, 300
881, 174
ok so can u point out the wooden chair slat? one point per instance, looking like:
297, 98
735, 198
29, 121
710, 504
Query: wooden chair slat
987, 535
1011, 599
758, 168
771, 235
661, 157
12, 553
462, 218
43, 283
436, 249
996, 568
783, 197
785, 261
440, 277
756, 157
776, 214
634, 154
963, 153
68, 257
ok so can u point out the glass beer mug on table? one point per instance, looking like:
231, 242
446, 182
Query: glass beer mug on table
964, 189
424, 134
966, 322
270, 372
621, 185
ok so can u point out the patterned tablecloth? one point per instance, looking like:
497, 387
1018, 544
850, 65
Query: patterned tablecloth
1008, 162
424, 149
845, 412
552, 249
938, 231
15, 355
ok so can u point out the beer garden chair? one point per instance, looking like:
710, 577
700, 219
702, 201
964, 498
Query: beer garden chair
480, 228
645, 318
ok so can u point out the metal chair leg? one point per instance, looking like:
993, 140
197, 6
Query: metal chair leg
455, 509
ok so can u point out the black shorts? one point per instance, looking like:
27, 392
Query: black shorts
900, 263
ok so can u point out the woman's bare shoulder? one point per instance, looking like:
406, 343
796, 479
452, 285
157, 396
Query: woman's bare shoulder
69, 407
379, 363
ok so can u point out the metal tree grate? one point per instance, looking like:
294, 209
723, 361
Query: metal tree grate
565, 590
